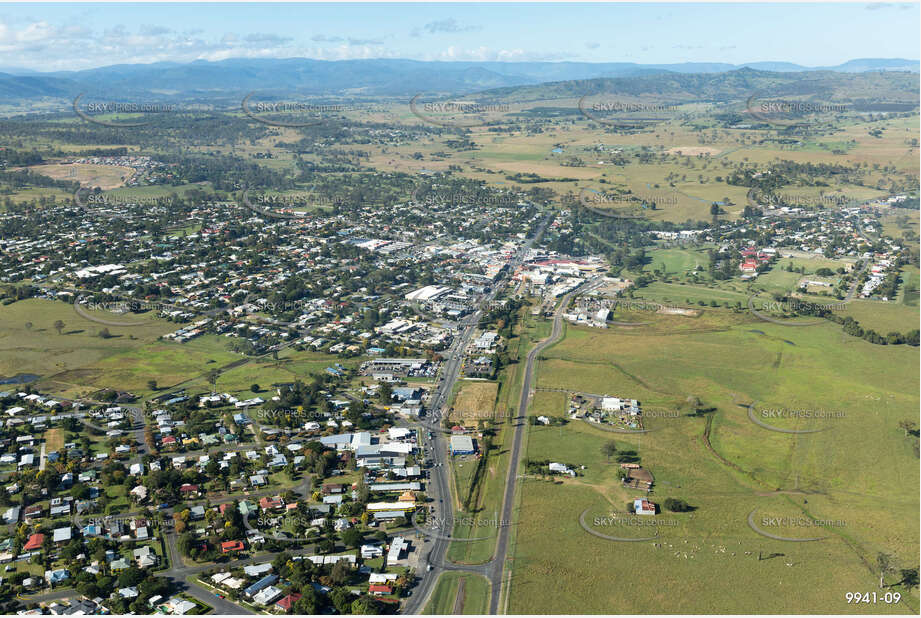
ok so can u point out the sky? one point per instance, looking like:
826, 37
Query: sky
54, 37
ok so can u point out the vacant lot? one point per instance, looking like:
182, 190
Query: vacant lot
475, 402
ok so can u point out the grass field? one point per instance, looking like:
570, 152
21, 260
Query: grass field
54, 439
859, 472
883, 317
473, 597
88, 175
74, 361
475, 402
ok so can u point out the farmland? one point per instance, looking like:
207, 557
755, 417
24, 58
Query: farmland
725, 466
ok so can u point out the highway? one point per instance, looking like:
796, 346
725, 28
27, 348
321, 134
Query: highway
435, 548
497, 566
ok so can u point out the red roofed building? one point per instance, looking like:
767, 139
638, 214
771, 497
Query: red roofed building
188, 489
379, 589
35, 542
168, 441
267, 504
229, 546
286, 603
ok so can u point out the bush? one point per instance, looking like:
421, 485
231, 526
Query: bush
676, 506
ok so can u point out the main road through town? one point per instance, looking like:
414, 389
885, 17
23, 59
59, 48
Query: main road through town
434, 548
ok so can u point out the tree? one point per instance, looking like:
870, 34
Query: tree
254, 387
365, 605
58, 326
352, 537
909, 578
308, 604
907, 426
676, 506
385, 393
152, 385
342, 599
609, 449
363, 491
339, 575
185, 544
28, 325
884, 564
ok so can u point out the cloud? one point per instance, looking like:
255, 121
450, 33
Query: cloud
151, 30
486, 54
876, 6
593, 45
264, 38
322, 38
449, 26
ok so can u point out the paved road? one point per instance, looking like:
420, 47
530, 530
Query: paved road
434, 549
497, 566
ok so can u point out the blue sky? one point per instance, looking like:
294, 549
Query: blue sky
75, 36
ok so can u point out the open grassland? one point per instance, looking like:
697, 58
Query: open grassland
463, 593
691, 294
87, 174
79, 361
72, 362
151, 192
28, 194
858, 471
908, 291
883, 317
290, 366
475, 402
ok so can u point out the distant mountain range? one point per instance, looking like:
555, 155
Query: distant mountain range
221, 81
